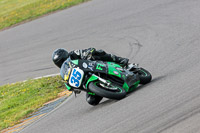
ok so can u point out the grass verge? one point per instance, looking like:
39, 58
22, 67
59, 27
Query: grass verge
19, 100
16, 11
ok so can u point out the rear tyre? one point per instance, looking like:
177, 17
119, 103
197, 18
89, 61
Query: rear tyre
145, 76
112, 92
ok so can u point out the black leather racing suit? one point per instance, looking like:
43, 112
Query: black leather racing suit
93, 54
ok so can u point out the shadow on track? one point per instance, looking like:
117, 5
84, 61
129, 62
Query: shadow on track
146, 85
110, 101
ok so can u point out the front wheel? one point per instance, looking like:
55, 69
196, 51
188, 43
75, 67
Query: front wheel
112, 91
144, 75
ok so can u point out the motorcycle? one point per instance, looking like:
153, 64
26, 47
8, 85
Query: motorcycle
104, 79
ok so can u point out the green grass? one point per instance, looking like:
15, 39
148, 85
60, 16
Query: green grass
19, 100
16, 11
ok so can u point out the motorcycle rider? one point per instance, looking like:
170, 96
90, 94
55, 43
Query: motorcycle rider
60, 55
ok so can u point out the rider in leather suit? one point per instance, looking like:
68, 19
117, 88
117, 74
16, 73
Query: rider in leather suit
60, 55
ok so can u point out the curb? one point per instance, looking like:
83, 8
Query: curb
48, 107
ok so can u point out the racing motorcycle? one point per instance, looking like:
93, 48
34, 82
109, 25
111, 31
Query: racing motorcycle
105, 79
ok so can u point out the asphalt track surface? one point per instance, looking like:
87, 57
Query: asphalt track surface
163, 36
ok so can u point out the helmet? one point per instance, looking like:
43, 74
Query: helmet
59, 56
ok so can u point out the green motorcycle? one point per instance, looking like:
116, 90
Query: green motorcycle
104, 79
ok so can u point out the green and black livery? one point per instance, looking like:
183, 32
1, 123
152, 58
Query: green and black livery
105, 79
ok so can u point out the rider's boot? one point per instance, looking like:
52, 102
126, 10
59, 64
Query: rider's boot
132, 66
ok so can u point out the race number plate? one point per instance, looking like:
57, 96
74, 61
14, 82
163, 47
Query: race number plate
76, 77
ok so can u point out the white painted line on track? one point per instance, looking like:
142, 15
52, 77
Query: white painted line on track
50, 75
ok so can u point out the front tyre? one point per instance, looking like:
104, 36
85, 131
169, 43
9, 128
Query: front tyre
144, 75
112, 92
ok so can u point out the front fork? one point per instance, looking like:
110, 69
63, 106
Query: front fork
102, 80
95, 77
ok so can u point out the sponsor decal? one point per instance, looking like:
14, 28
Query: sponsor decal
66, 77
115, 72
76, 77
85, 65
120, 69
91, 66
100, 67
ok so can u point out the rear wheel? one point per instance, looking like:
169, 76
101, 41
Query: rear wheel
144, 75
112, 91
